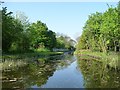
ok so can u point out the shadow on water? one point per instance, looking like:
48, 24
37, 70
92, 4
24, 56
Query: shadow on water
97, 75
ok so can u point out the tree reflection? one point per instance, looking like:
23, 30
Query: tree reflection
36, 73
97, 75
65, 62
29, 75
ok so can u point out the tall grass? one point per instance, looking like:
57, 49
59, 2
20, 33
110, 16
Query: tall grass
14, 60
12, 64
111, 58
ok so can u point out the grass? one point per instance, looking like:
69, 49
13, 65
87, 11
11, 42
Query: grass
111, 58
12, 64
32, 54
42, 50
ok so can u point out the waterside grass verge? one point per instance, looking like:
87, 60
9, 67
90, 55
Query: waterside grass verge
110, 59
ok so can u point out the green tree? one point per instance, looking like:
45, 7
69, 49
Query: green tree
65, 42
101, 31
41, 36
10, 29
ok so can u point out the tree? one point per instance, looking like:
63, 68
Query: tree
101, 31
41, 36
51, 40
23, 41
65, 42
10, 29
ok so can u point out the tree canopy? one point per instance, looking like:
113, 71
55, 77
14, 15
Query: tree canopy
102, 31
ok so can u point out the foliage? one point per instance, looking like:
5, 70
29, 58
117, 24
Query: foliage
65, 42
101, 31
41, 37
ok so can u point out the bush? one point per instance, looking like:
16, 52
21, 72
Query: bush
42, 50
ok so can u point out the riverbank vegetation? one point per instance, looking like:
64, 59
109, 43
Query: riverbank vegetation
101, 36
19, 60
110, 60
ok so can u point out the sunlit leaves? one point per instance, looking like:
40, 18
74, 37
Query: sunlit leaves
101, 31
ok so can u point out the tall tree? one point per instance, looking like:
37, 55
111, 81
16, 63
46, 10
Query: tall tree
10, 29
41, 36
101, 31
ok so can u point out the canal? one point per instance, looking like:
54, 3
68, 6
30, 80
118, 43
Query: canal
67, 71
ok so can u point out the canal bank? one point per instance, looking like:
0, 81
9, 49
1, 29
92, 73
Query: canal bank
110, 59
19, 60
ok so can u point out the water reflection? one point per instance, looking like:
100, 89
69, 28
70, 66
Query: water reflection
97, 75
35, 73
66, 77
31, 74
61, 72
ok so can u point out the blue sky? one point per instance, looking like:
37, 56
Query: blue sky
63, 17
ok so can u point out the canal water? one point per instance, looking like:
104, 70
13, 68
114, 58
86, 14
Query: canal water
67, 71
